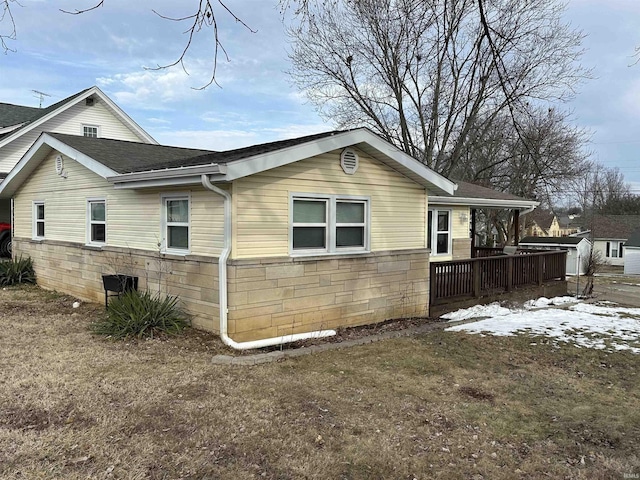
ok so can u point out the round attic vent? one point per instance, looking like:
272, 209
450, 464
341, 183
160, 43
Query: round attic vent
349, 161
59, 165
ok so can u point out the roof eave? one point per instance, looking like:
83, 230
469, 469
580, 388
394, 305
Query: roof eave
399, 160
36, 153
483, 202
167, 175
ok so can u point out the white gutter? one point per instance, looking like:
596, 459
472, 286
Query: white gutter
222, 282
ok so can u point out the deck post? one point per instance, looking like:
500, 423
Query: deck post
516, 227
541, 260
473, 233
509, 285
476, 268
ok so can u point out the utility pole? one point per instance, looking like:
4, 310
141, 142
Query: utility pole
40, 95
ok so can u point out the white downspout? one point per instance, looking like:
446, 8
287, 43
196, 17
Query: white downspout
222, 282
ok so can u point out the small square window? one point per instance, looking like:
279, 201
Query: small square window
90, 131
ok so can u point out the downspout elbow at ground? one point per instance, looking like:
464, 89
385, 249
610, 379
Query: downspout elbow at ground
222, 282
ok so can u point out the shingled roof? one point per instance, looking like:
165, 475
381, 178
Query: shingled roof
11, 115
551, 240
130, 157
472, 190
619, 227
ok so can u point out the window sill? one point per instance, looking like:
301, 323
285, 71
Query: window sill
329, 254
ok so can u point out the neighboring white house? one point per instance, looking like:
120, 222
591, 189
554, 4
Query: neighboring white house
609, 233
632, 254
577, 250
88, 113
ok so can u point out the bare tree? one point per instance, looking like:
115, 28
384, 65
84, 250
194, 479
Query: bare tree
425, 74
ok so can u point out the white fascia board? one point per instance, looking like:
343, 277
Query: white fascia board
161, 182
32, 158
483, 202
10, 128
168, 174
262, 162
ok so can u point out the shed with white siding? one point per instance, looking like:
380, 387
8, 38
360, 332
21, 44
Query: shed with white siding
632, 254
577, 249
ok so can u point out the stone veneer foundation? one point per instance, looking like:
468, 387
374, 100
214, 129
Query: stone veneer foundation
280, 296
77, 270
266, 297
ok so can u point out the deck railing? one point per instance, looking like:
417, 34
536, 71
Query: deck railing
478, 277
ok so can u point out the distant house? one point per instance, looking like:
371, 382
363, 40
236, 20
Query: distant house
577, 250
609, 234
542, 223
88, 113
632, 254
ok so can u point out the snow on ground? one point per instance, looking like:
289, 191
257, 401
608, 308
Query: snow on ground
608, 326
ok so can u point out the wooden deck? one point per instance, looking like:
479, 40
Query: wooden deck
494, 275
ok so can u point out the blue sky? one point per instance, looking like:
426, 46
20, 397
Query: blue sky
60, 54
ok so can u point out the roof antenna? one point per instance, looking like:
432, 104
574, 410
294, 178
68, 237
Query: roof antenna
40, 95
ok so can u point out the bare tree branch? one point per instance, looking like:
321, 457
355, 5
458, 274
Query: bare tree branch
6, 17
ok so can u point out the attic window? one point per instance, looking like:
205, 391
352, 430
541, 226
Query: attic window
349, 161
90, 131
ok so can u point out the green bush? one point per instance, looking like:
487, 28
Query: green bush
17, 271
142, 315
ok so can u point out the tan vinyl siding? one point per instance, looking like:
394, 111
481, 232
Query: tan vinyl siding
70, 122
133, 217
261, 204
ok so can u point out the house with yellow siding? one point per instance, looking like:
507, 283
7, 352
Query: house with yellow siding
87, 113
264, 245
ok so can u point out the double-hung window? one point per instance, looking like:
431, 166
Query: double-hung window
439, 232
614, 249
38, 220
97, 221
329, 224
176, 223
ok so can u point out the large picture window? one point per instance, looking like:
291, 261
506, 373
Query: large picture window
38, 220
176, 223
97, 221
329, 224
439, 232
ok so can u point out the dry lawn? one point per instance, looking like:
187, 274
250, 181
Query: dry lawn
444, 405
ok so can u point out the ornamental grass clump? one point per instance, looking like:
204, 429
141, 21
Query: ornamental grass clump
13, 272
142, 314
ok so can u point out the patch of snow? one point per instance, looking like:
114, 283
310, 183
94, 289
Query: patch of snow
477, 311
584, 325
545, 302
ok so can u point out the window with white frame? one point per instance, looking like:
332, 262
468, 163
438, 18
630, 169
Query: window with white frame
90, 131
38, 220
439, 231
97, 221
614, 249
176, 223
329, 224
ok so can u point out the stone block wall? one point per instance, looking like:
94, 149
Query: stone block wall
77, 270
275, 297
461, 248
